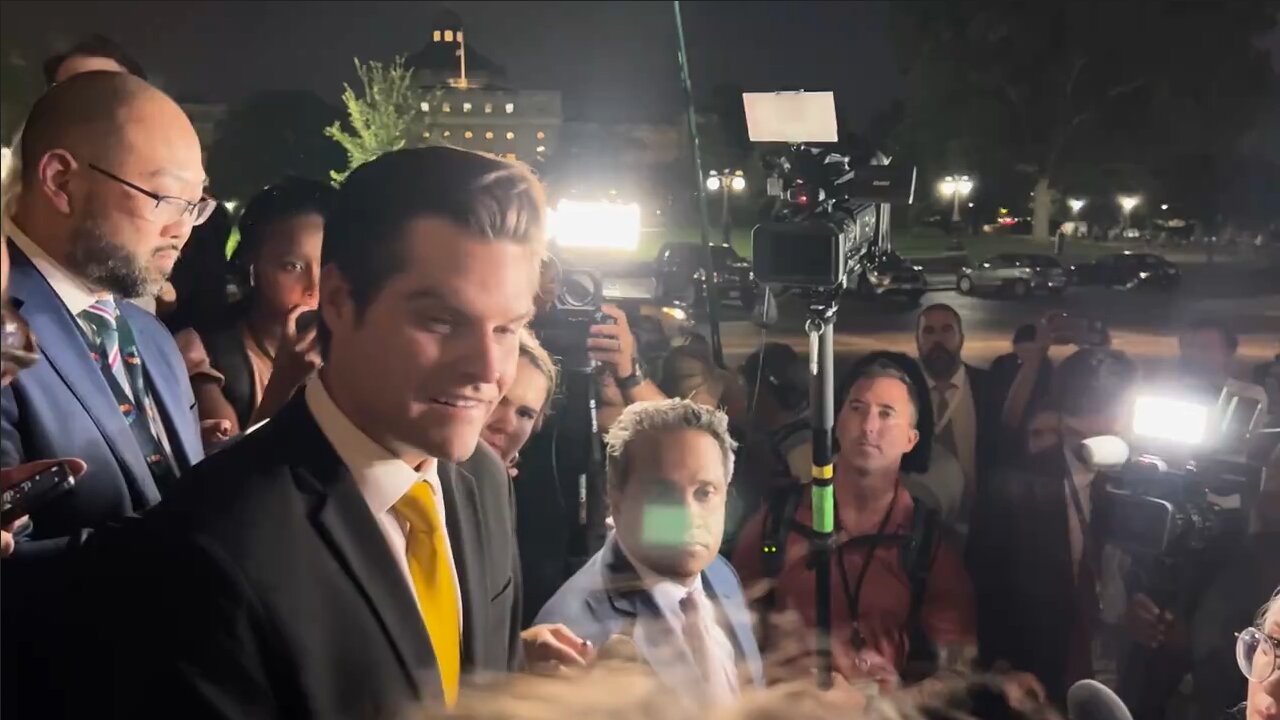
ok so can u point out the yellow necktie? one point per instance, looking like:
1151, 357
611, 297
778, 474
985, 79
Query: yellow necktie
433, 581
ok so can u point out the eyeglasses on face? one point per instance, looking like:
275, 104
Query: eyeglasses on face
168, 209
1256, 654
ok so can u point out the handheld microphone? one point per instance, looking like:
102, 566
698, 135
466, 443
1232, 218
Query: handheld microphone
1091, 700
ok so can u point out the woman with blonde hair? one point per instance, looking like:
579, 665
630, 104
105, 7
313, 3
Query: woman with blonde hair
526, 404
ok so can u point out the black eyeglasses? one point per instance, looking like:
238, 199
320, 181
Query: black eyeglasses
168, 208
1256, 654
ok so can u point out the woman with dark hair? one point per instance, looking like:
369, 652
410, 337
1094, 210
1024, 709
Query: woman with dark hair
267, 348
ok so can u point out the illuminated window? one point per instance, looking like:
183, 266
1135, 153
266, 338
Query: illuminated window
511, 107
466, 107
511, 135
509, 156
468, 135
488, 135
448, 36
427, 134
447, 133
541, 148
488, 107
435, 36
542, 135
446, 107
426, 107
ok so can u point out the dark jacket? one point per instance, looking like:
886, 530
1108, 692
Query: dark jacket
264, 588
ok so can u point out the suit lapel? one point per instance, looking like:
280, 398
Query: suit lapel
62, 345
164, 382
725, 590
462, 519
343, 521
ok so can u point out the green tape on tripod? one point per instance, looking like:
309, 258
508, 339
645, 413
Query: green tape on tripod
824, 517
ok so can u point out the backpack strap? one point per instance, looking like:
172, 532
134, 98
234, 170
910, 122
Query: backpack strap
917, 555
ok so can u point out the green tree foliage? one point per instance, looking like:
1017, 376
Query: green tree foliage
270, 135
382, 118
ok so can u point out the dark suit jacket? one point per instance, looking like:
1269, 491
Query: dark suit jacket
63, 407
263, 588
988, 403
1019, 556
606, 598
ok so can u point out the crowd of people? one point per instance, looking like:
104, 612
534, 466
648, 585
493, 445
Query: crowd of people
318, 476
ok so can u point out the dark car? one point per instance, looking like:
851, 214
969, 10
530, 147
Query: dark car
889, 275
1128, 270
677, 266
1018, 274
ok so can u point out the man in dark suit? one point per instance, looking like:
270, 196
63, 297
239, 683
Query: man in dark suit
966, 399
111, 388
354, 556
659, 580
1034, 551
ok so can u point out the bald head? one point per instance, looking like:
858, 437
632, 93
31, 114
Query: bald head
111, 176
82, 115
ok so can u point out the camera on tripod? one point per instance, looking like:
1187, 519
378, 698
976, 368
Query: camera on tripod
829, 209
1187, 484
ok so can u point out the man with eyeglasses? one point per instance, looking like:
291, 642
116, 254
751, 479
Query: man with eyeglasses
112, 185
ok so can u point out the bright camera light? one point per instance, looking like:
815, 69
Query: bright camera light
579, 224
738, 183
1179, 421
713, 183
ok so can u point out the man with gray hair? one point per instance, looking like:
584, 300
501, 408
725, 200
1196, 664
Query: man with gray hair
659, 581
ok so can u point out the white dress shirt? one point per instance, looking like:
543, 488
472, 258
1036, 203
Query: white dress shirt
667, 595
963, 419
77, 296
381, 478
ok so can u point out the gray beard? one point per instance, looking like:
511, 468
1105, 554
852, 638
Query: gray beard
106, 264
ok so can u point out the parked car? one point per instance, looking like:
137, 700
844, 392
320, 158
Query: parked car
1128, 270
889, 275
678, 264
1018, 274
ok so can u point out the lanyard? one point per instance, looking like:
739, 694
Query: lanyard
853, 597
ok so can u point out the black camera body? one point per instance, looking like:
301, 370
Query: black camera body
828, 213
1154, 507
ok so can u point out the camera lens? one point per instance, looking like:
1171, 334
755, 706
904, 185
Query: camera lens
578, 289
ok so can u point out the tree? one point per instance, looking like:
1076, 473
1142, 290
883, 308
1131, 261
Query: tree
1054, 86
382, 119
270, 135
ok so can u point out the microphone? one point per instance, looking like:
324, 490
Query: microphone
1091, 700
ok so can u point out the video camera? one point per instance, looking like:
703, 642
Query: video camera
829, 210
1188, 486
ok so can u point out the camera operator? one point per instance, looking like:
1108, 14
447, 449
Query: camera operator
1034, 556
555, 531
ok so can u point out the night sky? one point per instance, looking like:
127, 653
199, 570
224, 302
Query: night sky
613, 61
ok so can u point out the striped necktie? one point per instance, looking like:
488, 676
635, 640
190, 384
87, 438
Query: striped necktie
103, 317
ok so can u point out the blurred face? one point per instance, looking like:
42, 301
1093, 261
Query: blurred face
120, 242
669, 513
286, 273
77, 64
422, 367
518, 412
938, 343
876, 425
1205, 353
1264, 696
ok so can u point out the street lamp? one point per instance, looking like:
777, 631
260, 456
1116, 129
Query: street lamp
1164, 206
726, 181
1127, 204
1075, 204
957, 186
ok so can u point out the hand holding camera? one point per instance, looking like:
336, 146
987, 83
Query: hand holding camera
613, 344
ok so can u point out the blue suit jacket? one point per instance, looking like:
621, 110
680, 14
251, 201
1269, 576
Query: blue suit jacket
63, 407
605, 598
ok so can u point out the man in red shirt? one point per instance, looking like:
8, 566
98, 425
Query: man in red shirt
872, 589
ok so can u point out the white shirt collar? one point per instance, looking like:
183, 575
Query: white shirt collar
381, 477
71, 290
1082, 475
666, 592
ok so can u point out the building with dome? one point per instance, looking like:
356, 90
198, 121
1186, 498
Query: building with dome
466, 103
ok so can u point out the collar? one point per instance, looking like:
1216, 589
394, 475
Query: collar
667, 594
72, 291
381, 477
957, 379
1081, 474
